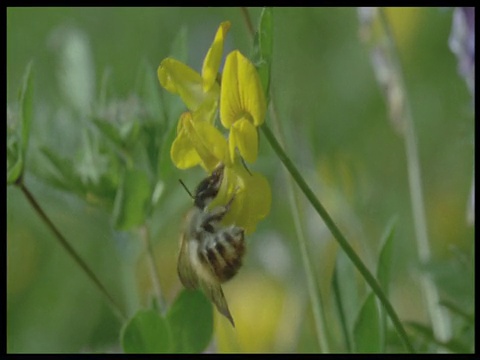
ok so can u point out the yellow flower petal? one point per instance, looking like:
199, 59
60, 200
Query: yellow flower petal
178, 78
252, 200
212, 60
210, 144
243, 136
208, 109
260, 196
241, 92
198, 143
182, 152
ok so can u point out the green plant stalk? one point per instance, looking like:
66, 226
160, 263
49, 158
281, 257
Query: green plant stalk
357, 262
153, 268
71, 251
438, 317
248, 20
313, 291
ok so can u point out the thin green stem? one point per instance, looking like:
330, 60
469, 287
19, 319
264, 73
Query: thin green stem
438, 317
337, 234
71, 251
313, 291
248, 20
153, 268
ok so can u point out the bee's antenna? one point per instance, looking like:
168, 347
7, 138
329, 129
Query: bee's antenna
186, 189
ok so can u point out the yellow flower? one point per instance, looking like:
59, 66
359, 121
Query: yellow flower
242, 109
242, 105
198, 143
252, 194
199, 92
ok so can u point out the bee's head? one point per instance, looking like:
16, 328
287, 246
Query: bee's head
208, 188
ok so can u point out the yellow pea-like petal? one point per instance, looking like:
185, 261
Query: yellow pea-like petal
260, 195
241, 92
256, 201
212, 60
182, 152
210, 144
252, 197
178, 78
244, 136
198, 142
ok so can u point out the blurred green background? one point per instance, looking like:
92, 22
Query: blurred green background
337, 131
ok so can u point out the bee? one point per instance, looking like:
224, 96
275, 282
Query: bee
210, 253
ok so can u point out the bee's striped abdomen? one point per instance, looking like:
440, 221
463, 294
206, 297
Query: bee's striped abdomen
223, 252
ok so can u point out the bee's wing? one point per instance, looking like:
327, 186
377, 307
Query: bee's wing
215, 294
187, 275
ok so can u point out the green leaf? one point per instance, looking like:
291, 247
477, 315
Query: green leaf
26, 107
386, 257
14, 171
384, 271
63, 175
146, 332
340, 307
132, 199
109, 130
263, 47
17, 140
266, 33
366, 332
14, 157
191, 322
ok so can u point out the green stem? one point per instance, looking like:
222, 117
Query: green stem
438, 317
315, 298
71, 251
313, 291
153, 268
369, 278
248, 20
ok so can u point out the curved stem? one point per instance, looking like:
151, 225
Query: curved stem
71, 251
337, 234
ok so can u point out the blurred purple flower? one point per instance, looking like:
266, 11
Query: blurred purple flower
462, 43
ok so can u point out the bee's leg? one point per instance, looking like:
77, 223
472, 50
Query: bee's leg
216, 214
